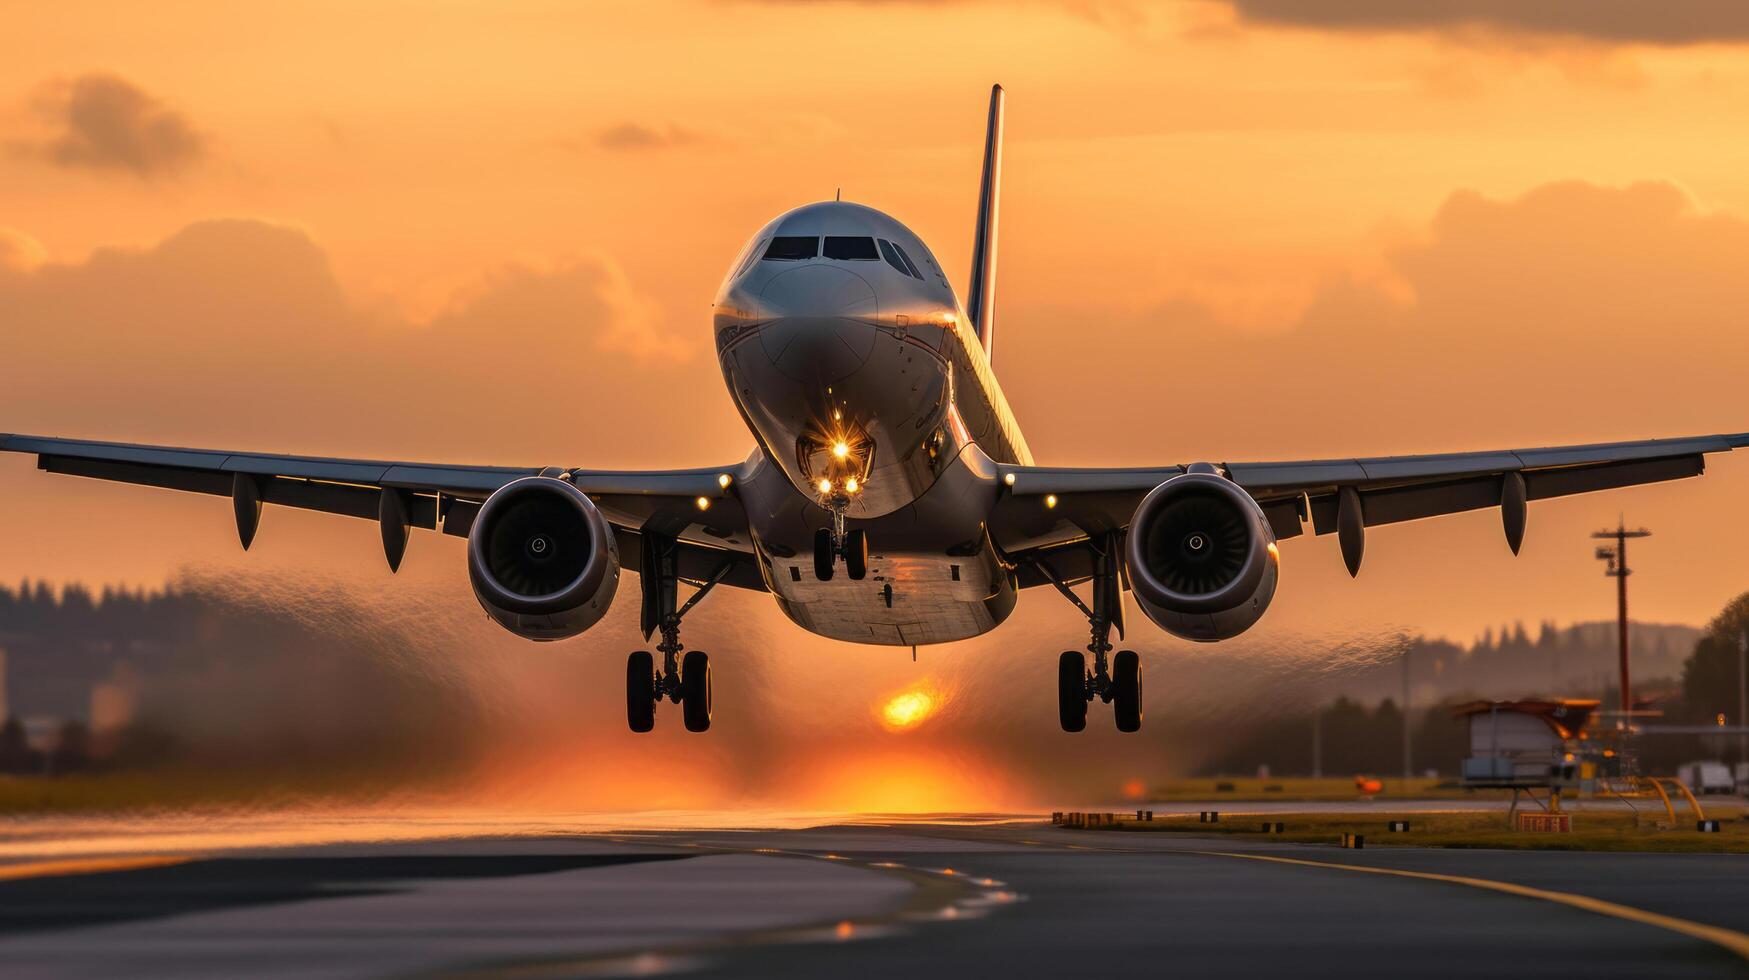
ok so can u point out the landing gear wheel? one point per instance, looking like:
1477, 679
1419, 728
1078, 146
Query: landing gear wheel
1072, 691
823, 555
695, 691
641, 691
1126, 690
856, 554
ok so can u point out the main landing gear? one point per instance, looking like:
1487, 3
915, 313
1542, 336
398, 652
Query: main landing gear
683, 681
1117, 682
835, 541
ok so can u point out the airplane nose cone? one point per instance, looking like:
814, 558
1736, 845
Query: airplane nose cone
822, 322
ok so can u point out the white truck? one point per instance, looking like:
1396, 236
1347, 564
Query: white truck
1702, 778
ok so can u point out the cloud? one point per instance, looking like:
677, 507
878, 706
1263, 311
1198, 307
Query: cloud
19, 252
1671, 22
1569, 313
104, 122
242, 312
636, 136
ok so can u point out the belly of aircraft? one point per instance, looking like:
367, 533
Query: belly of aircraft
904, 600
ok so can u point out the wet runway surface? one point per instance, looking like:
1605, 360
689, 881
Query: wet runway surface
910, 899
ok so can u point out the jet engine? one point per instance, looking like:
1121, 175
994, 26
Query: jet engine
542, 559
1201, 557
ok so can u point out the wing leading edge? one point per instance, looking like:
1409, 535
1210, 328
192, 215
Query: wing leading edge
432, 496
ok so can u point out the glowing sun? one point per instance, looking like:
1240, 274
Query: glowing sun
911, 707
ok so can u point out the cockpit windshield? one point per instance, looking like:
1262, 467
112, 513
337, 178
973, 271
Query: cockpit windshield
896, 258
850, 248
790, 248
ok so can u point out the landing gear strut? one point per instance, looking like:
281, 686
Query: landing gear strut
829, 543
1118, 680
683, 681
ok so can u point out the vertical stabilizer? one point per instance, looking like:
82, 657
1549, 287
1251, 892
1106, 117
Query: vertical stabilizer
981, 296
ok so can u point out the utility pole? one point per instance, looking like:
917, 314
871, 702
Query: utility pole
1617, 559
1318, 741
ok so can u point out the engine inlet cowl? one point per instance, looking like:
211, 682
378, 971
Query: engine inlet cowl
542, 559
1200, 557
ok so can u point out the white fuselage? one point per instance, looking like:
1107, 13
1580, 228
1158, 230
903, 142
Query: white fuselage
851, 360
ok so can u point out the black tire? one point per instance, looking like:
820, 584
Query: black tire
1072, 691
1126, 690
856, 554
695, 691
641, 691
823, 555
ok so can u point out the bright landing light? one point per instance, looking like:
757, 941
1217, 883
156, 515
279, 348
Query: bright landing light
840, 449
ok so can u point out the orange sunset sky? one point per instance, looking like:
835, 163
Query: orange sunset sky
1232, 230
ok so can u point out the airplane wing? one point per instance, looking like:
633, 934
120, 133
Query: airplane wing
1054, 510
434, 496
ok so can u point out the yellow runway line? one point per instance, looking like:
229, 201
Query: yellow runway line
87, 866
1730, 939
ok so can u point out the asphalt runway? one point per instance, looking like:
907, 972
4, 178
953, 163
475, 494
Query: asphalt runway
950, 897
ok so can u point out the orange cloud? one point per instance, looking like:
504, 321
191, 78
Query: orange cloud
1671, 22
19, 252
637, 136
246, 314
105, 122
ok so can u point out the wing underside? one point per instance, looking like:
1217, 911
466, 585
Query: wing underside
713, 540
1051, 513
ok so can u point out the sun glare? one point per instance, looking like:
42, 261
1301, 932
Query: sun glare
911, 707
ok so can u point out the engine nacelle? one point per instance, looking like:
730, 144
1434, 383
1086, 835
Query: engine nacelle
1201, 557
542, 559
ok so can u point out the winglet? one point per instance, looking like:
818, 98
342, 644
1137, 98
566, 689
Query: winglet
981, 296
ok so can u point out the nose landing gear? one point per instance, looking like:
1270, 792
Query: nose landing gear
835, 541
1117, 682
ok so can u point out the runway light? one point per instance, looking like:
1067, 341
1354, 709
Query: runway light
1721, 719
723, 480
825, 486
844, 930
1050, 500
704, 503
850, 485
840, 449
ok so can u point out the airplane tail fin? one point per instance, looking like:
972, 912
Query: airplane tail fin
981, 297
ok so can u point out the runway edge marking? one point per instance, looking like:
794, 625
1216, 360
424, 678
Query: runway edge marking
1730, 939
87, 866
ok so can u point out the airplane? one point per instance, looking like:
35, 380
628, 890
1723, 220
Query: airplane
885, 450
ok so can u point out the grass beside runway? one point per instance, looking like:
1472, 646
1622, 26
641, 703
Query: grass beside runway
1308, 790
1592, 830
